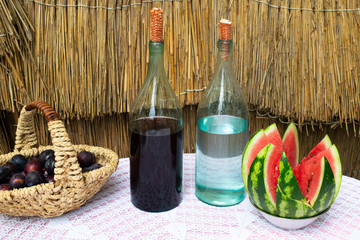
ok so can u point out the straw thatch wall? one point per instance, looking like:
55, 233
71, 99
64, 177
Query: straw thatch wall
297, 60
90, 57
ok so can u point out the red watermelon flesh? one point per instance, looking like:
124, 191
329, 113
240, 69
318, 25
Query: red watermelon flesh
324, 144
308, 172
291, 145
273, 156
273, 135
308, 175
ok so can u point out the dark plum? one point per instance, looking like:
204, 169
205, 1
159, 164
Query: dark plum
50, 166
45, 155
50, 179
86, 159
10, 166
19, 161
92, 167
5, 174
34, 178
5, 186
33, 164
17, 180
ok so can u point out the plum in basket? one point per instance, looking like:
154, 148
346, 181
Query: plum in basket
45, 155
50, 166
17, 181
19, 161
34, 178
5, 174
10, 166
86, 159
33, 164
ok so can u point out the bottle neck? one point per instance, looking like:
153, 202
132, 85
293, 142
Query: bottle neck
225, 50
156, 55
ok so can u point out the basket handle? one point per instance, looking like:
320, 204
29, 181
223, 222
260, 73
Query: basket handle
66, 166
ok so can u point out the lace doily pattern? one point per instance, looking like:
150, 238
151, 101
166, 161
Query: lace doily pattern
111, 215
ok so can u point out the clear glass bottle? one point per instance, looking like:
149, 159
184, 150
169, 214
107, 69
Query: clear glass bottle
156, 141
222, 131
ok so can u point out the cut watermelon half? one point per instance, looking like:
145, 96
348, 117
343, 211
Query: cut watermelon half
291, 145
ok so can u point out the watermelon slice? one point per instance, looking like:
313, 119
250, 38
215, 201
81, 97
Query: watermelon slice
324, 144
290, 202
272, 160
308, 173
291, 145
271, 171
256, 183
259, 140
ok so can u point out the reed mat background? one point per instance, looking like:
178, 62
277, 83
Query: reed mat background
297, 60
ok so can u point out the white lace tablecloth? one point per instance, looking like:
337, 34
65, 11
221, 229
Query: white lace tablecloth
111, 215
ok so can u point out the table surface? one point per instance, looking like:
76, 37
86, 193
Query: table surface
111, 215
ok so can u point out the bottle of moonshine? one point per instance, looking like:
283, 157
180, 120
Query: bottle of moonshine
222, 131
156, 141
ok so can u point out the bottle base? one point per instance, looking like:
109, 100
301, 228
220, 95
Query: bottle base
155, 210
219, 197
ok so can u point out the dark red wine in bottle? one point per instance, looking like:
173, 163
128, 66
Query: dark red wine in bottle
156, 163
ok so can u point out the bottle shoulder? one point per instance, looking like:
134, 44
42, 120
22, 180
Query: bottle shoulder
223, 97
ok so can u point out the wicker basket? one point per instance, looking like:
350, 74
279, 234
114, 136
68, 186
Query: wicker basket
72, 188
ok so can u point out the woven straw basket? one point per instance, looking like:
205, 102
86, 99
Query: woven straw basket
72, 188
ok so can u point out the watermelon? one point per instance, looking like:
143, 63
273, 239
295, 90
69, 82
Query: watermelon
291, 145
279, 185
258, 141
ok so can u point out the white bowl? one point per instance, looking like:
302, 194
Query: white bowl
289, 223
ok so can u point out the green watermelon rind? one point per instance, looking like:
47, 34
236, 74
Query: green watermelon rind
270, 150
292, 128
338, 173
245, 159
287, 181
292, 208
256, 184
290, 202
327, 191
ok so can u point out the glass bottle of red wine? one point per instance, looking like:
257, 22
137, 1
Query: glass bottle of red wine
156, 125
222, 131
